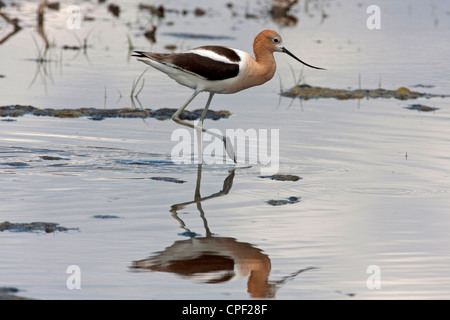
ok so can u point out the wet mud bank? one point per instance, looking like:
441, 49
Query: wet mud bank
101, 114
306, 92
421, 108
283, 202
46, 227
282, 177
9, 293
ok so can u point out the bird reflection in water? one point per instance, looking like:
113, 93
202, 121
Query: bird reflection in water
212, 259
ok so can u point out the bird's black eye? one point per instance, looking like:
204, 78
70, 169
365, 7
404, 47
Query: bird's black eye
276, 40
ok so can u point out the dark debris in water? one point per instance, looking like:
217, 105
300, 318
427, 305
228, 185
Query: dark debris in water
419, 85
189, 234
282, 177
52, 158
69, 47
421, 107
9, 293
105, 216
47, 227
160, 10
349, 294
307, 92
168, 179
4, 290
289, 200
16, 164
100, 114
161, 163
114, 9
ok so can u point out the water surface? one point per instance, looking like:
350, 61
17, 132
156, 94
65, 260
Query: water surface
374, 175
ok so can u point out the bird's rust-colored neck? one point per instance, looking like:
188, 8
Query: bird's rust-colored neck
265, 65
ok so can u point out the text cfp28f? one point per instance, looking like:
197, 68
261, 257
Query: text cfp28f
247, 309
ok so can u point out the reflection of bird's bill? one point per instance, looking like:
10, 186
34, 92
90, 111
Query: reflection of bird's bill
283, 280
293, 56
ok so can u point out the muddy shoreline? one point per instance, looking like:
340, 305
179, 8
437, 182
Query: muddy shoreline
306, 92
96, 114
46, 227
9, 293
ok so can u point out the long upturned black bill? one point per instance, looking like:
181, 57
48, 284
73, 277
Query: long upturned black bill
289, 53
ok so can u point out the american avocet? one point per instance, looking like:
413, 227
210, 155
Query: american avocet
217, 69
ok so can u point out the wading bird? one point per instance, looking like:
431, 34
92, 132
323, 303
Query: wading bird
218, 69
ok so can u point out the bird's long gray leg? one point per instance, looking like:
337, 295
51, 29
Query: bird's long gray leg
176, 118
202, 117
176, 115
226, 141
200, 128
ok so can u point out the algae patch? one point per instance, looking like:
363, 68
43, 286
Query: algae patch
100, 114
105, 216
47, 227
282, 202
9, 293
306, 92
282, 177
16, 164
421, 108
168, 179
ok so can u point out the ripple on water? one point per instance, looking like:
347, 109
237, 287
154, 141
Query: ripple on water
79, 159
416, 190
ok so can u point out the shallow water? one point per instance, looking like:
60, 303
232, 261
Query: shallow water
374, 176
